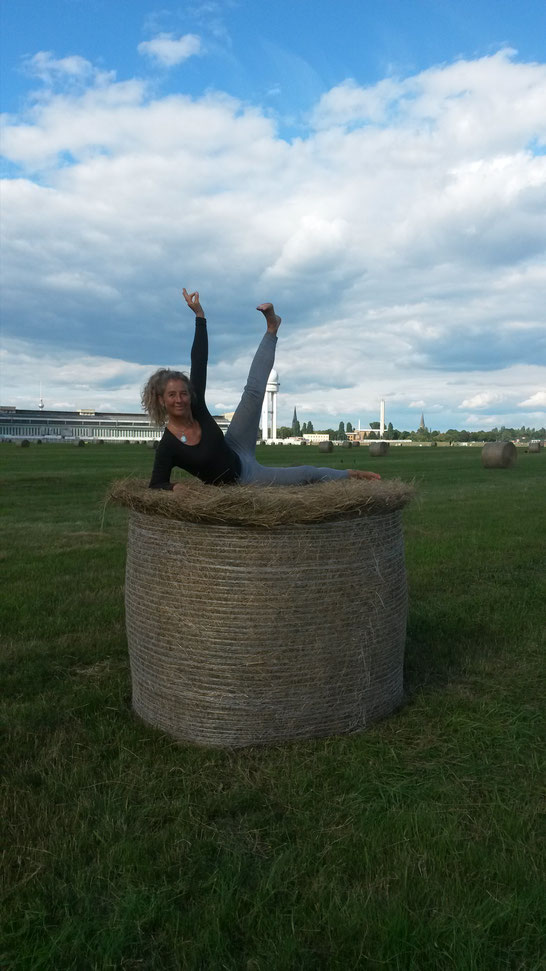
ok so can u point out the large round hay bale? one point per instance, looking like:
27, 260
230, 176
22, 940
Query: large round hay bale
326, 446
379, 448
499, 455
233, 599
534, 446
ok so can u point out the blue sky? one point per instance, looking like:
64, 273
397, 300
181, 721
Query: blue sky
377, 169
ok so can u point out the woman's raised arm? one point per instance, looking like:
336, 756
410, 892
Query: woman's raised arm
200, 346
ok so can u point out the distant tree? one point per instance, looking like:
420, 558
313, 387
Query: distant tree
390, 430
404, 434
284, 432
395, 434
349, 427
310, 428
375, 424
372, 435
296, 429
304, 428
341, 431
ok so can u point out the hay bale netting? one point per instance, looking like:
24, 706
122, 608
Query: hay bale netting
499, 455
236, 628
326, 446
379, 448
534, 446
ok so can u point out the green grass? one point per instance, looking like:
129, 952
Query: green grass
415, 845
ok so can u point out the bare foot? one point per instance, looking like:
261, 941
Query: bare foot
361, 474
273, 320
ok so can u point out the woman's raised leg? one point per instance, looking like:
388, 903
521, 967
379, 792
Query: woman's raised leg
243, 429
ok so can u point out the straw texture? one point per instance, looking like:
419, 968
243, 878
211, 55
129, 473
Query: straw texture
499, 455
264, 506
241, 635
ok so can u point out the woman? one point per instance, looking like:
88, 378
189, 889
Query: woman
193, 441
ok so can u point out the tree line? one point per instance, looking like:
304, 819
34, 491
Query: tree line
503, 433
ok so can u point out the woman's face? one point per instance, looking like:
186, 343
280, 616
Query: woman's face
176, 399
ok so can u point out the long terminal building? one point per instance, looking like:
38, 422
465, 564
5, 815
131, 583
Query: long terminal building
85, 425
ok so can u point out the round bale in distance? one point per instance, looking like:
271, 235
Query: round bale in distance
326, 446
379, 448
534, 446
233, 594
499, 455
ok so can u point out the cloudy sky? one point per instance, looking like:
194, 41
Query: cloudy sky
377, 168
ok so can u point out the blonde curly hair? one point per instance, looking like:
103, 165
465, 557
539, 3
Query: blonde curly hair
155, 388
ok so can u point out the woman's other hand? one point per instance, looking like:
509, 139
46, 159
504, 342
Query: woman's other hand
361, 474
192, 300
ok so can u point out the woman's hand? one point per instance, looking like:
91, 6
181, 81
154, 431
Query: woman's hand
192, 300
361, 474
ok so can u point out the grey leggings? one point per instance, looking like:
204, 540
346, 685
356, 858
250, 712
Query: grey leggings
243, 430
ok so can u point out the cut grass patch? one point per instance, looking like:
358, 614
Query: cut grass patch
415, 845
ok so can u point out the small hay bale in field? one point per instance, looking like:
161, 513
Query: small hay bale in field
326, 447
499, 455
379, 448
534, 446
346, 443
79, 443
233, 598
24, 443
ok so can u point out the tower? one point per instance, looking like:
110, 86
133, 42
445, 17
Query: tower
294, 422
269, 407
382, 418
422, 426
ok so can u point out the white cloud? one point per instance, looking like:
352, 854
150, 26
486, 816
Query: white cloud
74, 68
406, 253
169, 50
539, 398
482, 400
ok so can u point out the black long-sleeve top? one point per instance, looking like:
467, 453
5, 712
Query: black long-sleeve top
211, 460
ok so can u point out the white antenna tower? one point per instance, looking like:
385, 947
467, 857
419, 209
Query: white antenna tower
41, 405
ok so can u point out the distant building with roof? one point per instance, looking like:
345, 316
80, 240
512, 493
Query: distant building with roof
86, 424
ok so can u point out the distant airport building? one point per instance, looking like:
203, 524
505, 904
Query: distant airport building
359, 435
86, 424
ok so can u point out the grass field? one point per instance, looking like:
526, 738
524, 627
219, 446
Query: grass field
415, 845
